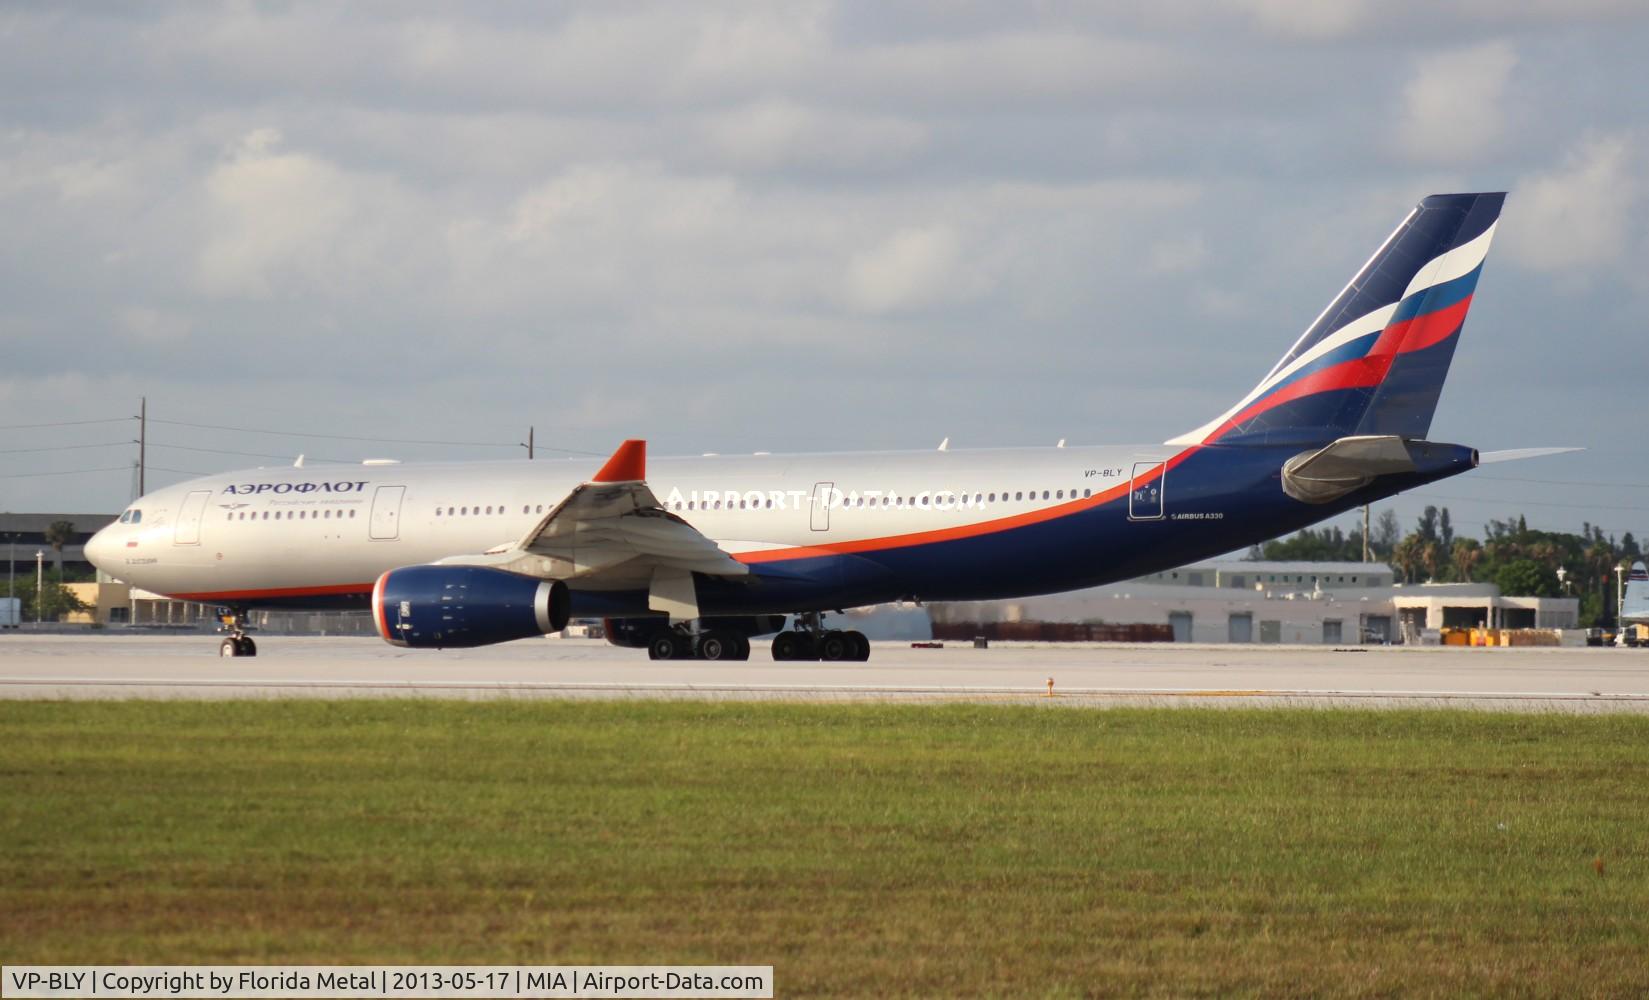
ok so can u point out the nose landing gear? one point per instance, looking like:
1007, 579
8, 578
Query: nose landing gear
237, 642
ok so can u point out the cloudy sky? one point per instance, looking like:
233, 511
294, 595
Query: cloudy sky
795, 227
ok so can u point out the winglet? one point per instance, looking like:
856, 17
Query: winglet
628, 464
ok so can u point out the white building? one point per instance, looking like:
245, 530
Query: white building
1282, 602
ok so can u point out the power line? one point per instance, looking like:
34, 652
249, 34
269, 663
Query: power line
67, 447
351, 437
1532, 503
1561, 482
250, 454
181, 472
64, 423
65, 472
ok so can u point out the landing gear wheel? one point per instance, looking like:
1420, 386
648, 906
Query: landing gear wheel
664, 647
838, 646
793, 646
718, 646
229, 647
743, 650
861, 651
247, 646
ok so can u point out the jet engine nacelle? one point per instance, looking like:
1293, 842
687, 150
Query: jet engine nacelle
459, 606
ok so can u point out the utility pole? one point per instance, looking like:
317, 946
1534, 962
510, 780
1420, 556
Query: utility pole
142, 442
529, 443
1365, 532
39, 583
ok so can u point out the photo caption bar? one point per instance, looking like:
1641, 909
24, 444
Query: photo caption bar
119, 982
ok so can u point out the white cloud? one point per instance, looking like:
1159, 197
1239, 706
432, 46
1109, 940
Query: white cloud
782, 133
912, 267
1581, 216
283, 222
1177, 255
1313, 19
1454, 108
152, 326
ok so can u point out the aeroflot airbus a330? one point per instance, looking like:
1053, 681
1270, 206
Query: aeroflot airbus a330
693, 556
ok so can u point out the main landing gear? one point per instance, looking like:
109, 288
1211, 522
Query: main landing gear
237, 642
713, 644
810, 640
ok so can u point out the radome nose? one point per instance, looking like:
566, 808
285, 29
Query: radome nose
100, 549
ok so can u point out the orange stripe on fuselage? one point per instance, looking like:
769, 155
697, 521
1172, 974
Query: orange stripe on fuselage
959, 532
244, 595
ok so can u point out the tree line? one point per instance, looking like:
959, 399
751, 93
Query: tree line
1520, 560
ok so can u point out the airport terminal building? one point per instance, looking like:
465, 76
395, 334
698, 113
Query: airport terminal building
1282, 602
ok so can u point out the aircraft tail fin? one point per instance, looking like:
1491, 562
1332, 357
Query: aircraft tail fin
1374, 362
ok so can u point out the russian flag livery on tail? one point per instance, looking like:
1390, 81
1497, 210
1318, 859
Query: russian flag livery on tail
1375, 360
691, 557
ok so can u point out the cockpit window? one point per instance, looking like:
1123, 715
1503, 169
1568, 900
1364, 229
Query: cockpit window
133, 516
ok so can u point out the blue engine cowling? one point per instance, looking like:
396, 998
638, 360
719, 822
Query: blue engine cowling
459, 606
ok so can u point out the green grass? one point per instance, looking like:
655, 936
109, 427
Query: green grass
861, 850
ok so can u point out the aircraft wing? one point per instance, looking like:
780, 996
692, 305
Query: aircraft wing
611, 533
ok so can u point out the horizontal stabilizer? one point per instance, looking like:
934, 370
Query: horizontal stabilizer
1348, 464
1341, 466
1517, 454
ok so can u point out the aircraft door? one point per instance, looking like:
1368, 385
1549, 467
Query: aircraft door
189, 517
386, 513
822, 493
1145, 495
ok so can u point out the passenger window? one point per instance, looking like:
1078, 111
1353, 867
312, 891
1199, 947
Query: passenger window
352, 513
1060, 495
1087, 493
1044, 494
1019, 495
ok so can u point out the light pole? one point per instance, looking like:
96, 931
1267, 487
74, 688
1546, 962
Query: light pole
1563, 579
39, 582
1620, 594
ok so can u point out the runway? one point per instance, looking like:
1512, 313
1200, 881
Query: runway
186, 666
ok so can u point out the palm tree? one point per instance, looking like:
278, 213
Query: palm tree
1406, 555
1430, 556
1466, 554
59, 534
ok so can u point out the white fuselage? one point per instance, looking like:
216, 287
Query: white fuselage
272, 531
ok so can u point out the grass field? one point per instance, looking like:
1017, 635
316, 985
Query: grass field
861, 850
